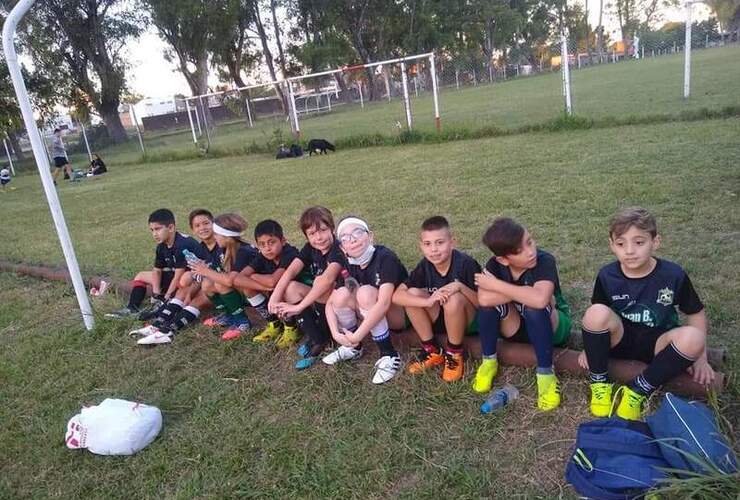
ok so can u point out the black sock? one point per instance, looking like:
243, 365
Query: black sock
597, 345
170, 310
290, 321
386, 347
431, 346
184, 318
262, 310
308, 325
272, 318
667, 364
137, 297
453, 348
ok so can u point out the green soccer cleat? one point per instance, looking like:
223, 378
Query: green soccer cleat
271, 332
291, 335
601, 399
548, 392
631, 405
485, 375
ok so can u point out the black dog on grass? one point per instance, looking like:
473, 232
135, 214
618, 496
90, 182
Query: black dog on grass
319, 146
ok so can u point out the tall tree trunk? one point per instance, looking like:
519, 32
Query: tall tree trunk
16, 146
600, 33
588, 36
346, 97
109, 114
268, 58
276, 28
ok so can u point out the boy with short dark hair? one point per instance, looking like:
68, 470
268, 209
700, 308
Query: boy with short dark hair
520, 298
293, 297
440, 296
261, 276
59, 157
633, 316
169, 263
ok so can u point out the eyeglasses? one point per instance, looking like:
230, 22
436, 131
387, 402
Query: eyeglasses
355, 235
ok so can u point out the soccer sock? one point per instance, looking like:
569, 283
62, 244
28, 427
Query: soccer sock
170, 310
290, 321
489, 326
185, 317
539, 330
217, 301
233, 302
597, 345
430, 346
385, 346
451, 348
667, 364
259, 302
138, 292
308, 325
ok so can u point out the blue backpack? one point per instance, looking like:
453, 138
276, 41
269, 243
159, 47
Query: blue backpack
689, 437
615, 459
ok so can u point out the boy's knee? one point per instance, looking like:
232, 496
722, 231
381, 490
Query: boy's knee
455, 302
597, 317
341, 297
690, 340
207, 286
367, 296
142, 276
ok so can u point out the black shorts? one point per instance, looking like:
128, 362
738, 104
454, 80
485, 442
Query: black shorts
637, 344
60, 161
4, 181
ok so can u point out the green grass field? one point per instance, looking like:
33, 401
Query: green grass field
649, 87
239, 422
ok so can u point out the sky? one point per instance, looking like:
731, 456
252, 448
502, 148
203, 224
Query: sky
153, 76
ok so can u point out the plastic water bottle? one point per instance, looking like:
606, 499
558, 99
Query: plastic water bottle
189, 256
499, 399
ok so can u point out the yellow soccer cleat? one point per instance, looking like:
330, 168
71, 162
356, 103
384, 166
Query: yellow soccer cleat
485, 375
601, 399
271, 332
291, 335
548, 392
631, 405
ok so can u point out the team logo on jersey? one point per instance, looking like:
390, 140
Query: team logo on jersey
665, 297
377, 279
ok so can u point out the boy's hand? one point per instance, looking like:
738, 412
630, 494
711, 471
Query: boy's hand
583, 360
701, 371
486, 280
345, 338
285, 310
197, 266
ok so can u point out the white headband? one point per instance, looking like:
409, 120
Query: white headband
352, 220
225, 232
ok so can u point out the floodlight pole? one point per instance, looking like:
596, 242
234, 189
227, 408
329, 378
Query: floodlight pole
132, 112
10, 160
42, 162
190, 120
687, 54
565, 68
87, 144
406, 100
297, 128
435, 92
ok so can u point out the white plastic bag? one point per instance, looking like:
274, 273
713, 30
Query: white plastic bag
114, 427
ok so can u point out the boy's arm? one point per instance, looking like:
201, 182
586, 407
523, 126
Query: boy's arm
322, 284
248, 279
537, 296
701, 370
156, 281
374, 314
402, 297
293, 270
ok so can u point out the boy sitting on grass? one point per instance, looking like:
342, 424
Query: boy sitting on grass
520, 298
440, 296
633, 316
169, 264
261, 276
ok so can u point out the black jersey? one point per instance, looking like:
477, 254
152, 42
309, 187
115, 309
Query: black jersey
649, 302
171, 258
245, 254
546, 269
384, 267
316, 262
261, 265
463, 268
214, 254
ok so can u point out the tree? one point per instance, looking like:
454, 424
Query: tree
727, 13
638, 15
80, 43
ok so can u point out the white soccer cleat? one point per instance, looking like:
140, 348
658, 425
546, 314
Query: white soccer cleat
156, 338
342, 354
144, 331
386, 368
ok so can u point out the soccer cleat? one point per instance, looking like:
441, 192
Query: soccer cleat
238, 324
424, 361
156, 338
601, 399
548, 391
271, 331
122, 313
484, 376
290, 336
386, 368
454, 367
306, 362
217, 321
631, 405
144, 331
342, 354
304, 350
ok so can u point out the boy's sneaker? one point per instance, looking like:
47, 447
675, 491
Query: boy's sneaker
144, 331
454, 367
484, 376
237, 325
548, 391
271, 331
386, 368
122, 313
156, 338
304, 350
631, 405
601, 399
342, 354
306, 362
217, 321
290, 336
426, 360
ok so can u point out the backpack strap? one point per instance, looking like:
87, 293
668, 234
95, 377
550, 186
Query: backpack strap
576, 474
